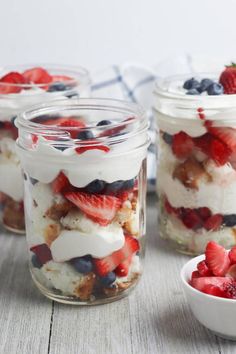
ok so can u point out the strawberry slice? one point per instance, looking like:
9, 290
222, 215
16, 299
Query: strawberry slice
231, 272
217, 258
123, 268
214, 222
195, 274
42, 252
230, 290
226, 135
60, 183
182, 145
203, 143
99, 208
191, 219
13, 78
204, 213
232, 255
203, 269
60, 78
108, 264
202, 282
219, 152
214, 290
37, 76
80, 150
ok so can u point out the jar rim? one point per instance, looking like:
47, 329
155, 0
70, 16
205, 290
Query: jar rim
161, 89
139, 121
79, 75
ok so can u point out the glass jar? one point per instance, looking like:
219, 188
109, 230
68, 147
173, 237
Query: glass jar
85, 188
196, 179
14, 98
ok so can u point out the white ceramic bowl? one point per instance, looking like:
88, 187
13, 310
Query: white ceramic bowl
217, 314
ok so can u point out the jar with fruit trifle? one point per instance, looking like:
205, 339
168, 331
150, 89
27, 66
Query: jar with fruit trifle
196, 180
85, 186
21, 87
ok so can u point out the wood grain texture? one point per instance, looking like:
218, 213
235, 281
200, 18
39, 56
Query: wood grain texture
24, 313
155, 318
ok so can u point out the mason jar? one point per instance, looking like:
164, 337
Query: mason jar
21, 87
85, 188
196, 179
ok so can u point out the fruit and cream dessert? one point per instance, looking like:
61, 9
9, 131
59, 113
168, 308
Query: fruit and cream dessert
84, 199
196, 180
20, 88
216, 274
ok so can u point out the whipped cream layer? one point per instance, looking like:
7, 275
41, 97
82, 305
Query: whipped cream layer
13, 104
122, 162
11, 182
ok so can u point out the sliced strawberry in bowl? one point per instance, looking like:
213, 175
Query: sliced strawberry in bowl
232, 255
217, 259
99, 208
106, 265
37, 75
60, 183
213, 290
202, 282
203, 269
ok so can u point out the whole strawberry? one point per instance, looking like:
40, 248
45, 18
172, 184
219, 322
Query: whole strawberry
228, 79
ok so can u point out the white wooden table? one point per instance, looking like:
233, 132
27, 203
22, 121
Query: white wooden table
154, 319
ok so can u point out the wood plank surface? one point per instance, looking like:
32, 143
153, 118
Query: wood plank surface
155, 318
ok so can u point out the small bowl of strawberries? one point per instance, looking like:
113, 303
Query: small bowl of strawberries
209, 283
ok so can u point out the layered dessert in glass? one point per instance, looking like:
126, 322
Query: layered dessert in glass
196, 180
84, 164
21, 87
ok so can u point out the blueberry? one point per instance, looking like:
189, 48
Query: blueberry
96, 186
192, 92
13, 120
108, 279
85, 135
129, 184
204, 84
33, 180
36, 262
191, 84
115, 186
229, 220
167, 138
83, 264
103, 122
57, 86
72, 94
215, 89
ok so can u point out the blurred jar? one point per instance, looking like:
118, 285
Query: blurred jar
196, 179
21, 87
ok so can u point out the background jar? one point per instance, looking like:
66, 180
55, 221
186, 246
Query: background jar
72, 82
85, 188
196, 178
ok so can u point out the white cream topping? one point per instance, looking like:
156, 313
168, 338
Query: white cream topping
11, 182
121, 163
98, 241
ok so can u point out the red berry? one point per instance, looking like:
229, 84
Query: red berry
191, 219
231, 272
200, 283
109, 263
203, 143
204, 213
15, 79
219, 152
213, 223
100, 208
182, 145
82, 149
213, 290
230, 290
123, 268
42, 252
228, 79
60, 183
37, 76
203, 269
226, 135
195, 274
217, 258
232, 255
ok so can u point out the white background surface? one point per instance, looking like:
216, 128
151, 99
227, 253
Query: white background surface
96, 33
